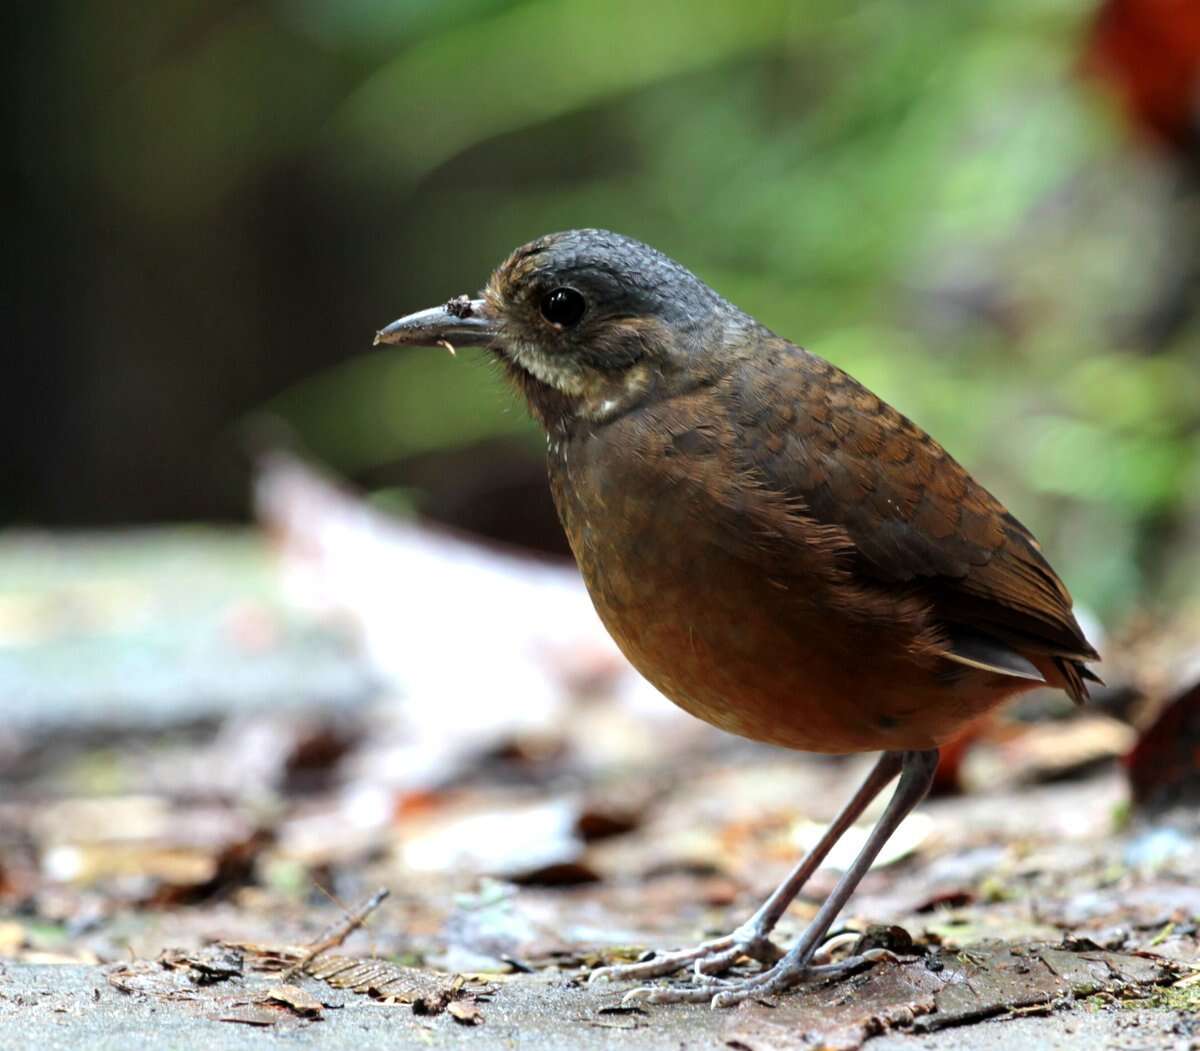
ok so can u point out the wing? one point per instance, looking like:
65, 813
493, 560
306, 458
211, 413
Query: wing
911, 513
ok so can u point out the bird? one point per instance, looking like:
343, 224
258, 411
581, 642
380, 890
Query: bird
775, 548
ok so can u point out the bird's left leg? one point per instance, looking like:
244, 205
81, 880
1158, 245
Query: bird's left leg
916, 777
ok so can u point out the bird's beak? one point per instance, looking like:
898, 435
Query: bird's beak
461, 322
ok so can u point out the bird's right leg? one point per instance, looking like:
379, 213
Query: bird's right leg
752, 938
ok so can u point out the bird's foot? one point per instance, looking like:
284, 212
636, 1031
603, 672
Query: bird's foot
785, 974
705, 960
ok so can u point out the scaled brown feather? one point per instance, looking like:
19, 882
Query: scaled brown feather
831, 451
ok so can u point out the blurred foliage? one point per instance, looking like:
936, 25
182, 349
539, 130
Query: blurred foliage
929, 196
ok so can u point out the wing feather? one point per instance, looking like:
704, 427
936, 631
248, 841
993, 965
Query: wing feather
910, 512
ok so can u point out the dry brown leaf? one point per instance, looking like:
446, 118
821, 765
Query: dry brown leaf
297, 999
213, 963
339, 932
250, 1015
148, 977
268, 957
465, 1013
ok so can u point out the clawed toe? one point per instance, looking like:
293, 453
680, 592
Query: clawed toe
714, 991
733, 997
664, 994
786, 974
657, 966
712, 958
778, 978
718, 962
722, 992
761, 949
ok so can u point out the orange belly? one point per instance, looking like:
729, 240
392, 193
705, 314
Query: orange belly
791, 681
779, 661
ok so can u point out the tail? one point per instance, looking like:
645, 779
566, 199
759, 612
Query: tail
1075, 676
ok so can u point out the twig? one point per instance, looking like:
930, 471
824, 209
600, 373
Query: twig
338, 933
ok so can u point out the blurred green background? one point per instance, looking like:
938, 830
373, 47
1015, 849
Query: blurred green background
217, 203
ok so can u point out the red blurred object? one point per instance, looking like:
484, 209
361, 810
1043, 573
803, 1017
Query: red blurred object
1164, 767
1148, 53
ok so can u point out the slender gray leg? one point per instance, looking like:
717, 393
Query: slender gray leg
752, 938
916, 777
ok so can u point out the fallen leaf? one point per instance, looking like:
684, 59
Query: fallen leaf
432, 1003
148, 977
1045, 752
429, 992
250, 1015
297, 999
207, 966
913, 832
465, 1013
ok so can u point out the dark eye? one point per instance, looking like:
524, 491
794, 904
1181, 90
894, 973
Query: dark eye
563, 306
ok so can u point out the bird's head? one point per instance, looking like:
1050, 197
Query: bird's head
588, 323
